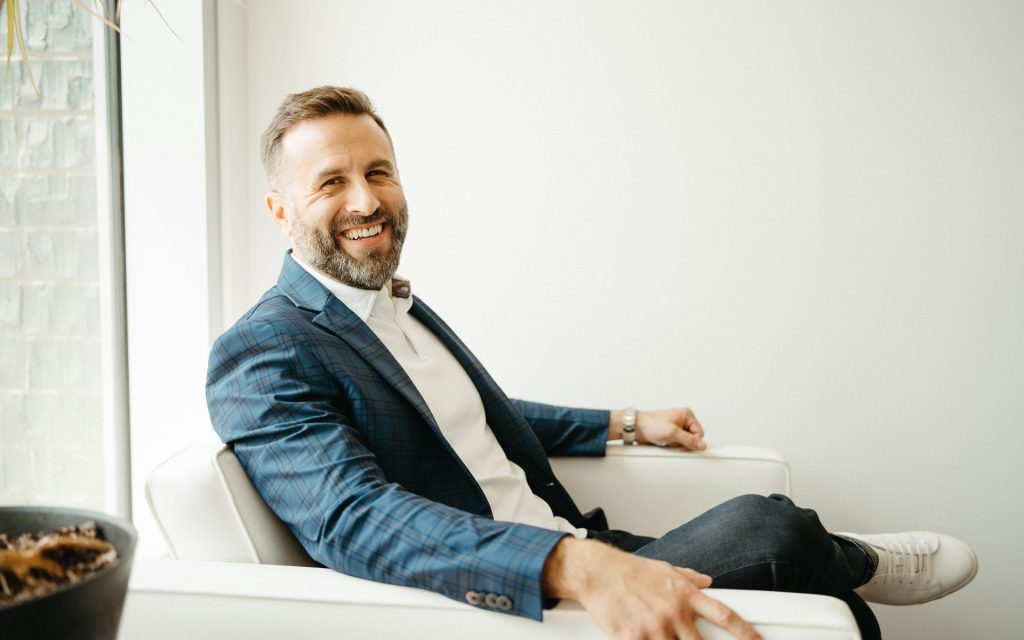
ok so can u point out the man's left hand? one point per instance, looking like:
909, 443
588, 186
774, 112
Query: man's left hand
667, 428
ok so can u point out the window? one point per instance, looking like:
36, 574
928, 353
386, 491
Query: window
60, 305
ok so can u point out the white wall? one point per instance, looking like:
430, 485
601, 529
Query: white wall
803, 219
171, 223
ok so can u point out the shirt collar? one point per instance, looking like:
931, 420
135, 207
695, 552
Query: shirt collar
362, 301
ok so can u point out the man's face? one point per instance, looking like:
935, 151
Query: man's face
340, 199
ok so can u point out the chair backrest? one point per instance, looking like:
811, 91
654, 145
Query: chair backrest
208, 509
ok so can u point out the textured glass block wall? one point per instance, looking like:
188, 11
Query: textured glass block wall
50, 410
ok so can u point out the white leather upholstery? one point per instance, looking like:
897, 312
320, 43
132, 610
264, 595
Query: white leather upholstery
208, 510
175, 599
219, 529
649, 490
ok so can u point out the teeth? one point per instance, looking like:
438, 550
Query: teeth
364, 233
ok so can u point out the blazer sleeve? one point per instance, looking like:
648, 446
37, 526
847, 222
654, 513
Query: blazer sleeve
564, 431
271, 398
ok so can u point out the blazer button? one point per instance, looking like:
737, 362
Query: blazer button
504, 603
491, 600
474, 598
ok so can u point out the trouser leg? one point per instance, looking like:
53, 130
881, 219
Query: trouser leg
754, 542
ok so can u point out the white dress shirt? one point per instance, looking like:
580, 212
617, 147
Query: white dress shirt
453, 400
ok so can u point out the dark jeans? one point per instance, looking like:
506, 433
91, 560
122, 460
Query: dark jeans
754, 542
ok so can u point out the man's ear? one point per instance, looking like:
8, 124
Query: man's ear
276, 207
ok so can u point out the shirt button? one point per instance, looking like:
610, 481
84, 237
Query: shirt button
473, 598
491, 600
504, 603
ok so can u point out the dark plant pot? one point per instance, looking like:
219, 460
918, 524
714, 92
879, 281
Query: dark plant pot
88, 610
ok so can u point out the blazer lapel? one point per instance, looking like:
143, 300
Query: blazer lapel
515, 436
339, 319
304, 290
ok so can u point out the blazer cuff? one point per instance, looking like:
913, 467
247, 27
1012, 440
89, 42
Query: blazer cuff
523, 594
599, 418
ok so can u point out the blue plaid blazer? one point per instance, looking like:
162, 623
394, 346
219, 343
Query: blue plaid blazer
338, 441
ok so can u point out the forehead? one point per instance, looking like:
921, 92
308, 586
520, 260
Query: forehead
339, 138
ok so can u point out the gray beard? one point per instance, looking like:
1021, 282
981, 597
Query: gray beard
323, 251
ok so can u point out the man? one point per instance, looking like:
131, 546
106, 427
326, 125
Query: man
371, 430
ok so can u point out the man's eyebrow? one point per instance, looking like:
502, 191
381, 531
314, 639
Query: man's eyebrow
326, 172
381, 163
336, 170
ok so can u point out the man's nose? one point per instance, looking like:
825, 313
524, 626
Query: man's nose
361, 199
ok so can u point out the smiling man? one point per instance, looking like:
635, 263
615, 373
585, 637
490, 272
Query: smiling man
341, 202
377, 436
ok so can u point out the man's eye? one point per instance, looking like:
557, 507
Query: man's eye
376, 172
331, 182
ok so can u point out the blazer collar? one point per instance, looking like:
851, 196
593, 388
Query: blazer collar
300, 287
306, 291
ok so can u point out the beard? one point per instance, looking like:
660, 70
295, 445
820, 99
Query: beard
323, 251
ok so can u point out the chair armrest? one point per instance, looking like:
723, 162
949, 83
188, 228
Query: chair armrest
651, 490
213, 600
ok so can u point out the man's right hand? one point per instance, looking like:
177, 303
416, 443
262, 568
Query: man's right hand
634, 597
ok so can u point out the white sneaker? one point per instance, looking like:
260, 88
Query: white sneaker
916, 566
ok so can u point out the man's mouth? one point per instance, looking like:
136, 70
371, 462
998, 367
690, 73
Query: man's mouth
361, 233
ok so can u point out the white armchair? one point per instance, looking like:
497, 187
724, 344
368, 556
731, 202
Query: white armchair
239, 570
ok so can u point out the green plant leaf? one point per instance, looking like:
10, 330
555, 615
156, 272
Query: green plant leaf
14, 26
15, 34
10, 30
97, 15
167, 24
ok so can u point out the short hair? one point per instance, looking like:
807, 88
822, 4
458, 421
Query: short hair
313, 104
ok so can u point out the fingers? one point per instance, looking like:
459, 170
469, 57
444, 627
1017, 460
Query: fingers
717, 613
691, 432
688, 440
687, 631
694, 426
700, 580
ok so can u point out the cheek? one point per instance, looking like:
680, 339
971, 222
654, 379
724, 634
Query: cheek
390, 195
398, 208
321, 213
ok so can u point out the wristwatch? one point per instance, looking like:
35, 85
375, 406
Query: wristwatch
629, 426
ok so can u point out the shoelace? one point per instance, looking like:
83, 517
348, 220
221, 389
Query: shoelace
901, 560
